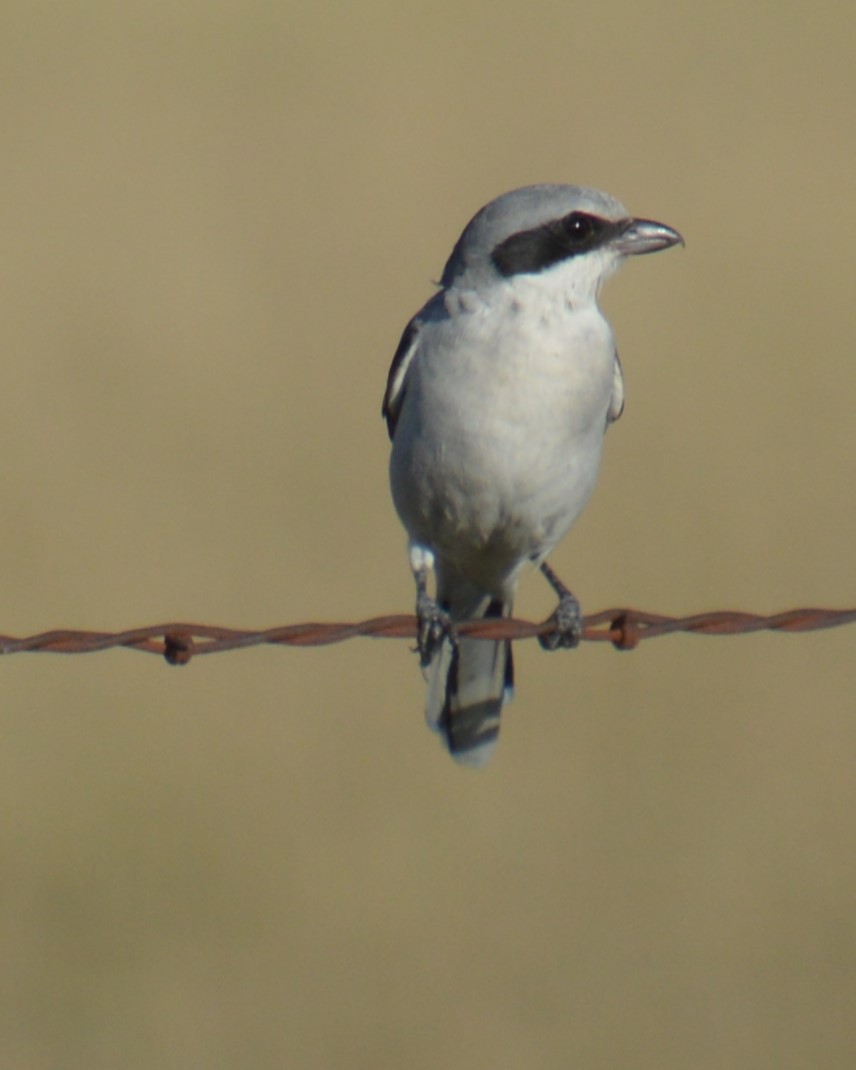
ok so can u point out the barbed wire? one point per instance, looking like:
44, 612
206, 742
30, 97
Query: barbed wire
624, 628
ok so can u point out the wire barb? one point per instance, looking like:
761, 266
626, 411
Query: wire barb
624, 628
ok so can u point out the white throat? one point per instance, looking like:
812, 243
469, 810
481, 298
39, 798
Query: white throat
574, 283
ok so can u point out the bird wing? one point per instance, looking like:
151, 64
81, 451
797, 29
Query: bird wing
616, 400
397, 379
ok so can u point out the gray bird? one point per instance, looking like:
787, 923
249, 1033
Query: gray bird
497, 402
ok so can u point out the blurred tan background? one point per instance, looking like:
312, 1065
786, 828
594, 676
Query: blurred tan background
216, 219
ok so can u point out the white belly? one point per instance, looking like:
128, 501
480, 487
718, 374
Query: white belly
499, 439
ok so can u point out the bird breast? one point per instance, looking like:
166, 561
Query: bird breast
500, 434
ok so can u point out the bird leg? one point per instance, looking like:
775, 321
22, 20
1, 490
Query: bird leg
433, 623
566, 619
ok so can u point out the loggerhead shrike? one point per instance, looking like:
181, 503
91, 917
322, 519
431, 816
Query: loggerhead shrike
497, 402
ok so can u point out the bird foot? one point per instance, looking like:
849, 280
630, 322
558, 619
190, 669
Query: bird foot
433, 627
566, 623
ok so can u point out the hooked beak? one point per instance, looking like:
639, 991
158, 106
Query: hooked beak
645, 236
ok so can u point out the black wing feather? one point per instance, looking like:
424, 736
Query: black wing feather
396, 381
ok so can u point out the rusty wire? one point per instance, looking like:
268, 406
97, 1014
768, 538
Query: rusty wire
624, 628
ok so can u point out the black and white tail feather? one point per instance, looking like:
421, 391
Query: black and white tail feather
469, 682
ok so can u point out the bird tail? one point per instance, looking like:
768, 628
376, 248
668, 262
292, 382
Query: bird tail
469, 681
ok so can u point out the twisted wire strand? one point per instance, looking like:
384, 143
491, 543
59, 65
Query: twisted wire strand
625, 628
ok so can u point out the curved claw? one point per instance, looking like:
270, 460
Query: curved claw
433, 626
567, 625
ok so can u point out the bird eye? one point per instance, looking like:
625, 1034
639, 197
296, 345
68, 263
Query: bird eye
579, 227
